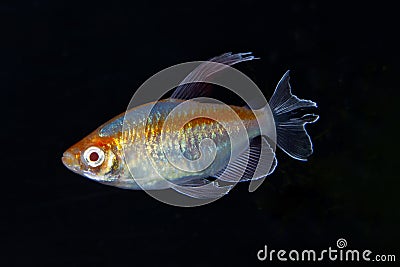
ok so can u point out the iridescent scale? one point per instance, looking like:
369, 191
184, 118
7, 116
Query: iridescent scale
150, 141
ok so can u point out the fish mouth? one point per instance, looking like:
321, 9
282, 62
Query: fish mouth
69, 161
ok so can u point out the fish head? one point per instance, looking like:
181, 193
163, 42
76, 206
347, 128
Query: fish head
95, 157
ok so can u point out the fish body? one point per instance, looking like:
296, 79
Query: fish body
142, 140
162, 142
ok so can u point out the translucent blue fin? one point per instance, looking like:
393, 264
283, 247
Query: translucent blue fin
190, 87
292, 136
258, 161
207, 191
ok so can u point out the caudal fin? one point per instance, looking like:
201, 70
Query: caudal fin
292, 136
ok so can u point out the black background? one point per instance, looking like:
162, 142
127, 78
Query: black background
68, 66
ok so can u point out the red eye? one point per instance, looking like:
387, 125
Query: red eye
94, 156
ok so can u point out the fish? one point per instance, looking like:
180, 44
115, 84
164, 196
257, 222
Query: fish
133, 155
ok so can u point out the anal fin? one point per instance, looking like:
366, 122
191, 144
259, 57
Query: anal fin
257, 161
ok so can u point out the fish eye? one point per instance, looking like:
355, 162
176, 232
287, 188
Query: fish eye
93, 156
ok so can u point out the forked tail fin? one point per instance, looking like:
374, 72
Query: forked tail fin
292, 136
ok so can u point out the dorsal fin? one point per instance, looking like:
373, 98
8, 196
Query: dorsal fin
190, 87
